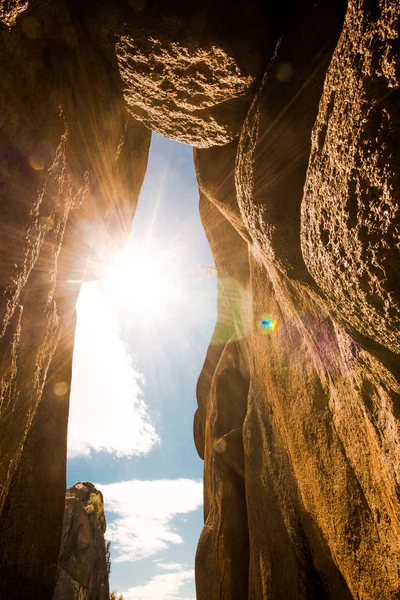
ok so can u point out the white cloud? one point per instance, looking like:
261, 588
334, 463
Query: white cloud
162, 587
107, 407
169, 566
145, 511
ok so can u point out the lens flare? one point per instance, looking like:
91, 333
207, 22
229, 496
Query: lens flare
267, 324
61, 388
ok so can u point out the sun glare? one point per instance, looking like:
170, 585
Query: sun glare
144, 282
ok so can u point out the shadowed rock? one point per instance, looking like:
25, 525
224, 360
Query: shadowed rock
35, 497
223, 550
68, 192
275, 141
83, 571
215, 170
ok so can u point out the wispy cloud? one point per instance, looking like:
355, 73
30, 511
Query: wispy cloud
108, 411
169, 566
162, 587
145, 512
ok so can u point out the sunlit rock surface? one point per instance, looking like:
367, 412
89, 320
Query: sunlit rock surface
83, 571
297, 161
188, 71
320, 471
350, 213
10, 9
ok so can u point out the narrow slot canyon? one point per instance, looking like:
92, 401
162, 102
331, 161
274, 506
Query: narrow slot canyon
277, 125
141, 336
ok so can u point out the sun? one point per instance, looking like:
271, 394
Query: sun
144, 281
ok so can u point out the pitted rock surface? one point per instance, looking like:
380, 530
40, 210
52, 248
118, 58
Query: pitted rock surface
168, 84
350, 212
189, 75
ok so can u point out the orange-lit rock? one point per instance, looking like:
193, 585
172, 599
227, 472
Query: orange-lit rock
188, 71
350, 212
320, 435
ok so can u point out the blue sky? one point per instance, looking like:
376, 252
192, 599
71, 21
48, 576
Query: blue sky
141, 340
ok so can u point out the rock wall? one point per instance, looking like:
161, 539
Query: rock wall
71, 165
82, 569
350, 211
293, 112
310, 460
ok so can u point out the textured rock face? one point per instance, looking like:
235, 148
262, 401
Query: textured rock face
223, 553
298, 424
31, 520
82, 573
276, 140
148, 74
191, 79
350, 213
10, 9
71, 165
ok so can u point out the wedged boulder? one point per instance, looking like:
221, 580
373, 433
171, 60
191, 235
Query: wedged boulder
350, 212
83, 570
188, 71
